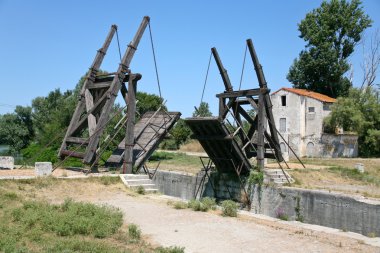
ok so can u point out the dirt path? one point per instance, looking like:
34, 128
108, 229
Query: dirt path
208, 232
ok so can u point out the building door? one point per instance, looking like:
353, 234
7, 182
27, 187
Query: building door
310, 149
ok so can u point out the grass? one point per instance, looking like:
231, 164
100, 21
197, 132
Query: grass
28, 223
340, 175
134, 232
355, 174
175, 161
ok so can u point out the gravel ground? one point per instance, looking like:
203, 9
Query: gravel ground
210, 232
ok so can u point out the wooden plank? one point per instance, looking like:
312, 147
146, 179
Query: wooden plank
91, 119
212, 137
77, 140
239, 93
72, 154
100, 85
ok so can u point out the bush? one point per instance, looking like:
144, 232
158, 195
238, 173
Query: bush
134, 232
280, 214
256, 177
208, 203
180, 205
194, 204
173, 249
140, 190
229, 208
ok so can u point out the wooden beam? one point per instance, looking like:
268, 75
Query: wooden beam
72, 154
91, 119
260, 133
77, 140
129, 135
212, 137
100, 85
239, 93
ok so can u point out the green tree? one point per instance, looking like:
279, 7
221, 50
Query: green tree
331, 32
16, 129
147, 102
52, 115
181, 132
202, 111
359, 112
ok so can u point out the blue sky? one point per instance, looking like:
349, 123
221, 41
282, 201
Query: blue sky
50, 44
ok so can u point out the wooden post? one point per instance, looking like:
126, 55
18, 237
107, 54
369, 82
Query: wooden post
260, 132
268, 103
129, 135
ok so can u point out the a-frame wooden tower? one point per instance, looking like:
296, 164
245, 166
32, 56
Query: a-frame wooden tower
96, 100
229, 145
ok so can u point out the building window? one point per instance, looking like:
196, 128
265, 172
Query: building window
326, 107
282, 125
311, 109
283, 100
283, 148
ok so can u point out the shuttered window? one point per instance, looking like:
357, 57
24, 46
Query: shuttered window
282, 125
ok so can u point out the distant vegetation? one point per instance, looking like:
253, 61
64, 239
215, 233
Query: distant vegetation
359, 112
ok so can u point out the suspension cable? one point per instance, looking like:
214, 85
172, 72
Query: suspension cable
204, 85
118, 43
242, 70
155, 62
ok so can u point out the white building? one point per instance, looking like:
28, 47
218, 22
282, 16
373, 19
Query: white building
299, 115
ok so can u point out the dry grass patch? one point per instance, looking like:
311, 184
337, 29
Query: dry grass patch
33, 218
340, 175
192, 146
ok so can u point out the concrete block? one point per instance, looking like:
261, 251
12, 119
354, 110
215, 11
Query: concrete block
43, 168
359, 167
7, 162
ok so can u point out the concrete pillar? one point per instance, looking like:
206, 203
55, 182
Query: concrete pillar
43, 169
7, 162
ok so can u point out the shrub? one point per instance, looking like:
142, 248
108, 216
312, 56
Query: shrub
256, 177
208, 203
173, 249
229, 208
134, 232
194, 204
140, 190
180, 205
280, 214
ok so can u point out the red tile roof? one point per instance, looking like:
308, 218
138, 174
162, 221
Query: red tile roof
311, 94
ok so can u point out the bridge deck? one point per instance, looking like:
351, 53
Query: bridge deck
219, 144
149, 132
